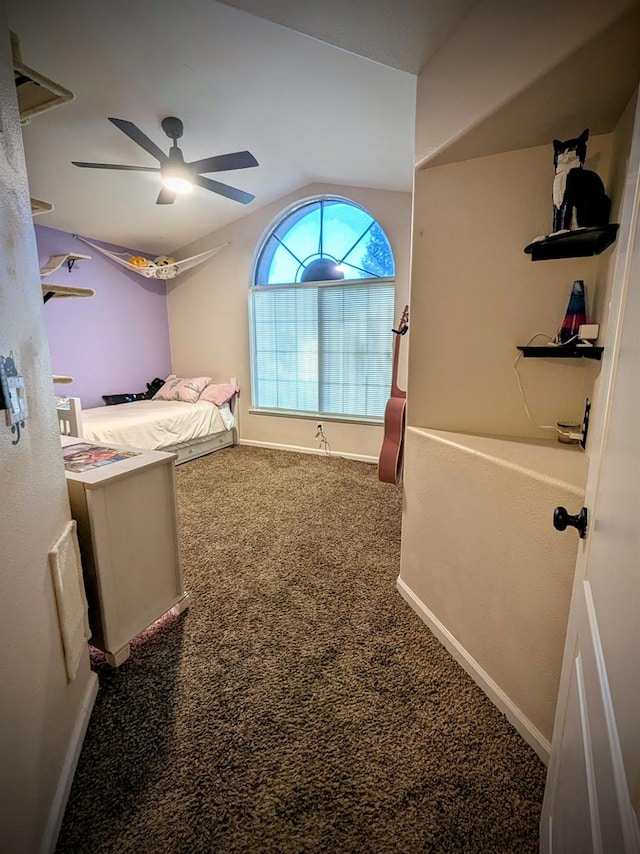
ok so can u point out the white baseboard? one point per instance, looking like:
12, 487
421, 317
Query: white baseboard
300, 450
69, 767
514, 715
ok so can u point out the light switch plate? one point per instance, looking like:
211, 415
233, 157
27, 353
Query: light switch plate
16, 397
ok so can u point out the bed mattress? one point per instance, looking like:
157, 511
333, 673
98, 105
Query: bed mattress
155, 424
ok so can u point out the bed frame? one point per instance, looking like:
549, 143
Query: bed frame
70, 418
70, 424
202, 447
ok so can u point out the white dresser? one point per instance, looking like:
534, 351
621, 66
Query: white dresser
128, 533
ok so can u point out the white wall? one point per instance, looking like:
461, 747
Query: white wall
209, 322
41, 716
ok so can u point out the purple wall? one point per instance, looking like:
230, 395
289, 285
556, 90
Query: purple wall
114, 342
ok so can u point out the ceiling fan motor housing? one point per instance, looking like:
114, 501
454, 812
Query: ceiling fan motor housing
176, 155
174, 166
173, 127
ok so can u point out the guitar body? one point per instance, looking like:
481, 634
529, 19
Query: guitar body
391, 456
391, 453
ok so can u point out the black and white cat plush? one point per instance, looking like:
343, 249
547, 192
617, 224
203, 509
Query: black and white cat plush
579, 199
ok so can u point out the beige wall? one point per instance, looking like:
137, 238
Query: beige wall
476, 295
480, 560
499, 49
40, 714
208, 315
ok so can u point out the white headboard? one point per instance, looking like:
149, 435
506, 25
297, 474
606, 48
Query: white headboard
70, 417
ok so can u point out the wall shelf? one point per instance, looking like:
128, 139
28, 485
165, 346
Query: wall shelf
548, 351
50, 290
39, 206
573, 244
56, 261
36, 93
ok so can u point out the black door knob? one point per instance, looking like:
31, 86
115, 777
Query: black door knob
562, 520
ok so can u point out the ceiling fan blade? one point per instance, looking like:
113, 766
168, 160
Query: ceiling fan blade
224, 190
140, 138
116, 166
224, 162
166, 197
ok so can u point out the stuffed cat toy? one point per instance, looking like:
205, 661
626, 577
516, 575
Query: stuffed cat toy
579, 199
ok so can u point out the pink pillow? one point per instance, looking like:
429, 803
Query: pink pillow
186, 389
219, 393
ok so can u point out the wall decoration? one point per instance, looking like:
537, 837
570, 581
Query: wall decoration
581, 208
579, 199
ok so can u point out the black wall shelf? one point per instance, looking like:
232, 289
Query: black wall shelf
549, 351
573, 244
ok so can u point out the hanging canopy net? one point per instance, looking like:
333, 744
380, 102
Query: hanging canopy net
162, 267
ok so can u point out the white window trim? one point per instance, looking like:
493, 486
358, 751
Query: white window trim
371, 420
283, 214
341, 283
266, 233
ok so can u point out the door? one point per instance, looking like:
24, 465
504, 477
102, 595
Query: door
592, 799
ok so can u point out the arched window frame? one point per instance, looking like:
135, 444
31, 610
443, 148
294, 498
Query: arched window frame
320, 348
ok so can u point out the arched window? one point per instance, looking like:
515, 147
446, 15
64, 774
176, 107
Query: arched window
322, 312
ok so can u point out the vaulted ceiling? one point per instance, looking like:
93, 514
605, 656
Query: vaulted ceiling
317, 92
307, 110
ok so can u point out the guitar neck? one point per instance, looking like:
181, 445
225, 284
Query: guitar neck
395, 390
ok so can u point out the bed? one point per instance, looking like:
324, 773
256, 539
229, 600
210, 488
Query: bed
189, 430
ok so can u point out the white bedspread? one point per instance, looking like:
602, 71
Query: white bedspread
155, 424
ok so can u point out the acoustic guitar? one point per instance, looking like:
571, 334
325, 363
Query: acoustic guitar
391, 452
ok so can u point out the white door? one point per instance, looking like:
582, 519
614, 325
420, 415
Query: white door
592, 799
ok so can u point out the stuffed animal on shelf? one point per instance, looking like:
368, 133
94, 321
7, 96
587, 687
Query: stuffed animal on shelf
579, 198
139, 261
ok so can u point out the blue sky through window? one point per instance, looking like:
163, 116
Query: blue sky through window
340, 231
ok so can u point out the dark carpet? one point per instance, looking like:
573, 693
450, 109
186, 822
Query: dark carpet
299, 705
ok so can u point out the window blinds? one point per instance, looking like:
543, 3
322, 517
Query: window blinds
324, 348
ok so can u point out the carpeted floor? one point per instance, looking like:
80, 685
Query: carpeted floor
299, 705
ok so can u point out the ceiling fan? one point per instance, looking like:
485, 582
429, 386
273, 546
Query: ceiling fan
178, 176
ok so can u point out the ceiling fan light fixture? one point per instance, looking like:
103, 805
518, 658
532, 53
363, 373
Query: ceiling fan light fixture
176, 175
177, 183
